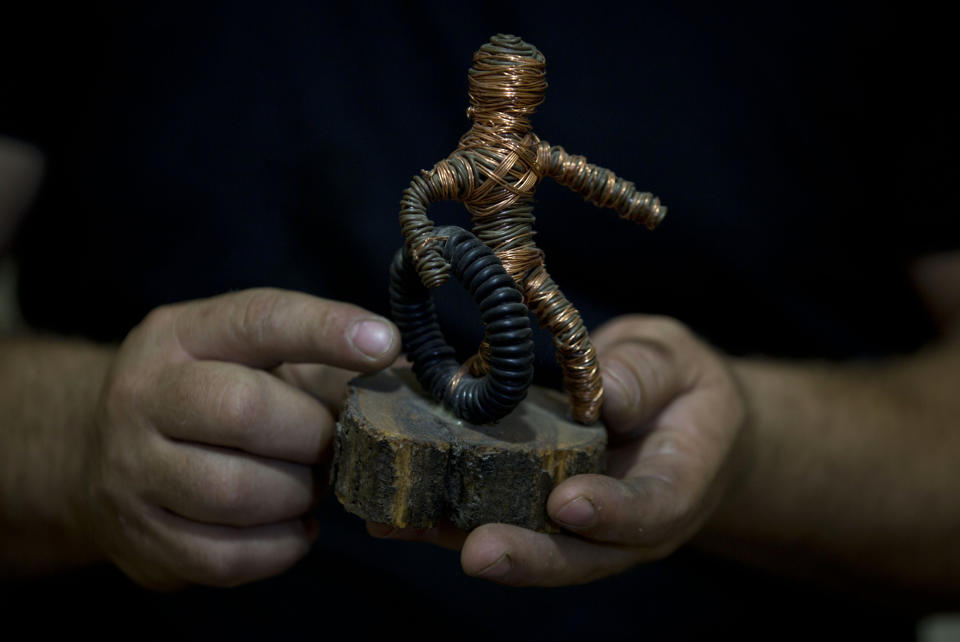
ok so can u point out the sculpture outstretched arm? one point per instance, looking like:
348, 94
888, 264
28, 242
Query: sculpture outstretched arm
600, 186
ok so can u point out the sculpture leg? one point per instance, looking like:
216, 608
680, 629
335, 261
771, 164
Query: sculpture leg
575, 353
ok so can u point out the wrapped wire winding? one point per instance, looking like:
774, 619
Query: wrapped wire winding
494, 172
505, 319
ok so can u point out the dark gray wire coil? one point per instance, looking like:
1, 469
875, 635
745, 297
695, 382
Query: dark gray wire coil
506, 325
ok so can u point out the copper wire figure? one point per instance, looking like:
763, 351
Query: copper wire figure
494, 172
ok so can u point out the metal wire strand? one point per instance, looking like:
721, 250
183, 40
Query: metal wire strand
494, 173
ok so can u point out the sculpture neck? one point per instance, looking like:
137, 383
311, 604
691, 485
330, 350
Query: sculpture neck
492, 126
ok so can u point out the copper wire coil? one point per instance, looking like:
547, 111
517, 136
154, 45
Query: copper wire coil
494, 172
602, 187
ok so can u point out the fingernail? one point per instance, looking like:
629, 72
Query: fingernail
372, 337
577, 513
498, 570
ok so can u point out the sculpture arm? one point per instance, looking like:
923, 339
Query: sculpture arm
450, 179
600, 186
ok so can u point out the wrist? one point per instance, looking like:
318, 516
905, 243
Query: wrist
777, 397
79, 512
49, 403
742, 459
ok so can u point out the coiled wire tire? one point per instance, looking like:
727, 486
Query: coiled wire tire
506, 325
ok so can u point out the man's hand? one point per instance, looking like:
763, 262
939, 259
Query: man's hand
673, 412
201, 465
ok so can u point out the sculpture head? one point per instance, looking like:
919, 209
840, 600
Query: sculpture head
507, 82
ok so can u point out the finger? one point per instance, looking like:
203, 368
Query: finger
520, 557
646, 362
217, 486
641, 511
670, 487
640, 377
265, 327
444, 535
632, 326
324, 383
227, 556
229, 405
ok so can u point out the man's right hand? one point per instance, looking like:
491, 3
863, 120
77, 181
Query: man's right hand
201, 465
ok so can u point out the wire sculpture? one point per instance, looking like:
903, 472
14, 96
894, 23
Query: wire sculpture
494, 172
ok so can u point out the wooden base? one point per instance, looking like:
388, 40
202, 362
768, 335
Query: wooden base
401, 459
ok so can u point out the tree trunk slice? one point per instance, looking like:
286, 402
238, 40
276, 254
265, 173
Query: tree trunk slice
402, 459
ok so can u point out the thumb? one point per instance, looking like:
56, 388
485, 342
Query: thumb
643, 366
648, 510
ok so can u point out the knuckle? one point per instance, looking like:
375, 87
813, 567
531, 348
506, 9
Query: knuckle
653, 329
185, 385
155, 334
327, 321
232, 491
669, 328
259, 317
669, 336
159, 318
648, 371
240, 402
648, 368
